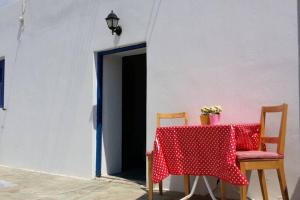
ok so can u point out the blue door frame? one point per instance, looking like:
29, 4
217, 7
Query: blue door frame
100, 56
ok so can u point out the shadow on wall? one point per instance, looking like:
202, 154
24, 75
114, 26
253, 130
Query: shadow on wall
93, 116
298, 6
296, 194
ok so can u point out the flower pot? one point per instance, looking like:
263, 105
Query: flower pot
204, 119
214, 119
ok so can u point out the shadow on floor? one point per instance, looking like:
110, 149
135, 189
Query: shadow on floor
135, 175
173, 196
296, 194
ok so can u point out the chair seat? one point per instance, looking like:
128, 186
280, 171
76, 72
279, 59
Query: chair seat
245, 155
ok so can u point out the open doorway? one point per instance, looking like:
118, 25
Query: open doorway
134, 117
121, 118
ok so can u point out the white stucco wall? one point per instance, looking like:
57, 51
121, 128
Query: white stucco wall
240, 54
49, 92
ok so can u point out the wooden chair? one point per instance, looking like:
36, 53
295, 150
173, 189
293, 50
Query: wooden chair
159, 117
262, 159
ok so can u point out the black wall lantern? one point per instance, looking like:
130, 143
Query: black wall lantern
112, 21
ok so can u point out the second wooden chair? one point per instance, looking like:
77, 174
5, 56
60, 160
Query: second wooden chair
261, 160
159, 117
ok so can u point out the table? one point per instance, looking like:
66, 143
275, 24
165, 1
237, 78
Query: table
203, 151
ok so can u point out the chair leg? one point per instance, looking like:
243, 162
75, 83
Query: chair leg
282, 181
150, 182
223, 189
186, 184
243, 188
243, 192
263, 185
160, 185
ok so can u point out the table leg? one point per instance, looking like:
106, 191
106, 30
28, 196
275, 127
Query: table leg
209, 188
194, 188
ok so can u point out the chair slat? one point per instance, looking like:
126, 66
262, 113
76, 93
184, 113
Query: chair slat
171, 115
272, 108
270, 140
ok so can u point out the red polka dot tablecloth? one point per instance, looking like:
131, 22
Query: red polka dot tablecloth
202, 150
247, 136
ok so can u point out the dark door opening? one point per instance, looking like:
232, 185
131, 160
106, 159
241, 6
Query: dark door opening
134, 117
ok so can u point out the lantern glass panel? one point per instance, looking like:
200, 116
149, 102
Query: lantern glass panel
109, 23
115, 23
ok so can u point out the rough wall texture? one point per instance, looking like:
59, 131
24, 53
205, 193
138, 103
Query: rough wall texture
240, 54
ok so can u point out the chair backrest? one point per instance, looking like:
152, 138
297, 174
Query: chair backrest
280, 140
181, 115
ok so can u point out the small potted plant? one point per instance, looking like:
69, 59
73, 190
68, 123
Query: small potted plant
210, 115
204, 117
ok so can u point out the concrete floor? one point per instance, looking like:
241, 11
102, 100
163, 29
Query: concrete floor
27, 185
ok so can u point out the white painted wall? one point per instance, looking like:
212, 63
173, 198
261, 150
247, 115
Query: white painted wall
240, 54
50, 90
112, 115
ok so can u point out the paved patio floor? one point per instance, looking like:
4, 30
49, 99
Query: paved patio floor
27, 185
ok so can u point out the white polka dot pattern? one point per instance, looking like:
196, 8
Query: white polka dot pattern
201, 150
247, 136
